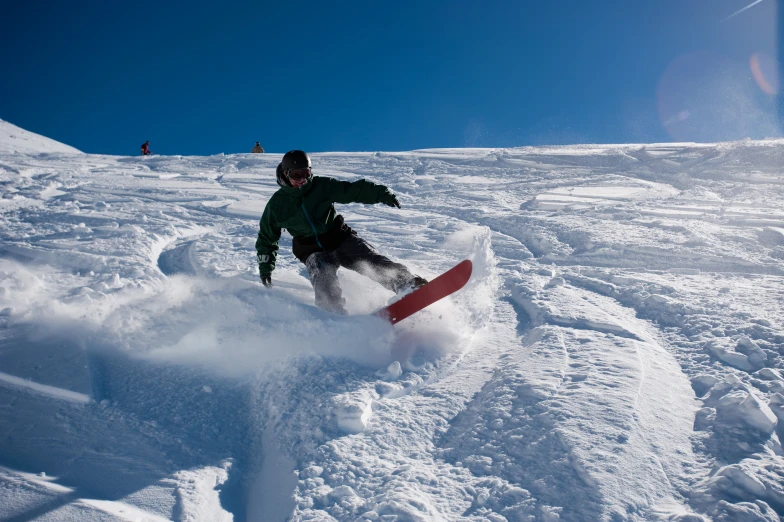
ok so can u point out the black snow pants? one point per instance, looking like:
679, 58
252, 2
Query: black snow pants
357, 255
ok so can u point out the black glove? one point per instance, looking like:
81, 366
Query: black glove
391, 200
266, 280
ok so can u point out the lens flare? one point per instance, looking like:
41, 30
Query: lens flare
765, 72
672, 120
703, 96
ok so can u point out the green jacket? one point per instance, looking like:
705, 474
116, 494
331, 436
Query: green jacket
308, 212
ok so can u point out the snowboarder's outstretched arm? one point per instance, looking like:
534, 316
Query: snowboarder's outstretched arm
361, 191
267, 245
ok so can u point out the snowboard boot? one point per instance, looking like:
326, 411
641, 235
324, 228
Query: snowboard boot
410, 285
418, 282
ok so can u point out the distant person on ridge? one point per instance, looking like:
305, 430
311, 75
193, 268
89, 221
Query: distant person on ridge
146, 148
304, 205
257, 149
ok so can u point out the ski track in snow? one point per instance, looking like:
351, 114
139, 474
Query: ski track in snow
617, 354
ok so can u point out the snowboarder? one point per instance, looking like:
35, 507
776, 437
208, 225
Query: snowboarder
257, 149
146, 148
304, 205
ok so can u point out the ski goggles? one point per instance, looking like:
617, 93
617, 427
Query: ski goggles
298, 175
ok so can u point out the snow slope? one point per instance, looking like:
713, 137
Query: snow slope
16, 140
616, 356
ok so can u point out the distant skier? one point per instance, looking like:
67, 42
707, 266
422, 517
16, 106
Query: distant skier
146, 148
257, 149
304, 205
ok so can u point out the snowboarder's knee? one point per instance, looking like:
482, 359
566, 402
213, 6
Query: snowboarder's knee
320, 261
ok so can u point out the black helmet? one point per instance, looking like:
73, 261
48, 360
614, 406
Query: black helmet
296, 168
295, 160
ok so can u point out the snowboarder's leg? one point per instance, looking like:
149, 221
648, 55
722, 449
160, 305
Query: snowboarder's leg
357, 255
323, 270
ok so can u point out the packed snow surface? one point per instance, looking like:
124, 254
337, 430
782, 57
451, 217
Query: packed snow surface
16, 140
616, 356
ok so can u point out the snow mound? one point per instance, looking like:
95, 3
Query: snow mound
16, 140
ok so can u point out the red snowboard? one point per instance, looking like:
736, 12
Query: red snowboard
447, 283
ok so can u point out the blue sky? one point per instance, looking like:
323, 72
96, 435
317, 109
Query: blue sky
206, 77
